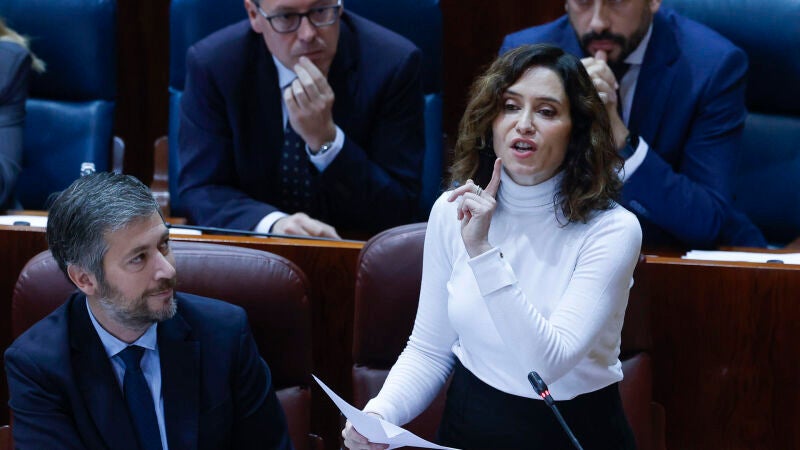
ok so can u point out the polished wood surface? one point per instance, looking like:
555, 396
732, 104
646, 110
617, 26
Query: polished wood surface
329, 265
725, 350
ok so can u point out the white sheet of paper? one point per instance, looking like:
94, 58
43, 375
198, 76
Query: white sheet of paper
41, 222
374, 428
715, 255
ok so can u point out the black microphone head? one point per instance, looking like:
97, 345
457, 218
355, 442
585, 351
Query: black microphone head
537, 382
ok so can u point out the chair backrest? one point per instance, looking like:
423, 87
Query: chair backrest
418, 20
189, 22
71, 106
767, 186
388, 279
272, 290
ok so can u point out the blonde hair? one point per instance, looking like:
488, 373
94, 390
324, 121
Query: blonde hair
9, 35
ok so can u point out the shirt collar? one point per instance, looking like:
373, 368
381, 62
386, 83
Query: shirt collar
113, 345
637, 56
285, 76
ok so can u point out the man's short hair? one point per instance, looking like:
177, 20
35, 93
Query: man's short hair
90, 207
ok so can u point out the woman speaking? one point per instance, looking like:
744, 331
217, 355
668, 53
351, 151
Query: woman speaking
527, 266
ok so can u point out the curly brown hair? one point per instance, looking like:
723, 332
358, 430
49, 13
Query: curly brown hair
591, 163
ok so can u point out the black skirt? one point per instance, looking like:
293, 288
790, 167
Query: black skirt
478, 416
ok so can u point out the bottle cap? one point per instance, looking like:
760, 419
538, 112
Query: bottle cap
87, 168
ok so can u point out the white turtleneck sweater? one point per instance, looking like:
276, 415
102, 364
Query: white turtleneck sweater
547, 297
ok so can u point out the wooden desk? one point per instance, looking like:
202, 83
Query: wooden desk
726, 351
330, 267
725, 337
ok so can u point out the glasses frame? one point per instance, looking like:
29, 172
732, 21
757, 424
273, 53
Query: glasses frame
306, 14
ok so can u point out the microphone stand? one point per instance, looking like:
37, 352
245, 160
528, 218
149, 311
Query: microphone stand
541, 388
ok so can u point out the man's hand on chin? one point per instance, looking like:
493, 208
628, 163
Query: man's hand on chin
607, 85
309, 102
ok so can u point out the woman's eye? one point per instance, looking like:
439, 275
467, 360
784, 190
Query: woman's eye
547, 112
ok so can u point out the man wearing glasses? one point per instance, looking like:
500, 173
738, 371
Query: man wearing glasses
303, 119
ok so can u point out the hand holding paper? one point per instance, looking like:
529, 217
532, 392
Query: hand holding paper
376, 429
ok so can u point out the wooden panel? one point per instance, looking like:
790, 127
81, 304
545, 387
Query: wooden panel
17, 246
725, 351
142, 81
473, 32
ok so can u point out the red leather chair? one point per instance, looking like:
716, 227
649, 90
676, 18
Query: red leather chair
387, 291
272, 290
5, 438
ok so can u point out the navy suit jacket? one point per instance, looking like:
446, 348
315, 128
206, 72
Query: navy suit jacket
217, 390
231, 131
689, 108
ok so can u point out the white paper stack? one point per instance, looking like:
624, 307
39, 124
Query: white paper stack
714, 255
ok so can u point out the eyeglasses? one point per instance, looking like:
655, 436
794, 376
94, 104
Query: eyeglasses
322, 16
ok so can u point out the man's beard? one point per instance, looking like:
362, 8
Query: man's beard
135, 313
627, 45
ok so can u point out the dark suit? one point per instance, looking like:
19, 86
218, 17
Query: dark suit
689, 108
15, 69
231, 131
217, 390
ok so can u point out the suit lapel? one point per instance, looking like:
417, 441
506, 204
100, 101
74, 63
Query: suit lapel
96, 380
262, 97
343, 76
180, 383
654, 85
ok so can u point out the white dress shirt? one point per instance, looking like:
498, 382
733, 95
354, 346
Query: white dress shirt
627, 88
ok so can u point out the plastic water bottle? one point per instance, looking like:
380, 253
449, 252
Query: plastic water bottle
87, 168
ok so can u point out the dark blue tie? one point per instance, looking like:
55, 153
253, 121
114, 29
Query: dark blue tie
619, 71
139, 399
296, 178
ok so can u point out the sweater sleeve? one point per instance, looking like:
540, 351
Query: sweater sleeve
595, 296
426, 362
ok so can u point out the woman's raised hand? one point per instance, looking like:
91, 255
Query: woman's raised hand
475, 211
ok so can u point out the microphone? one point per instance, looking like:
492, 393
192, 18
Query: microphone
541, 388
